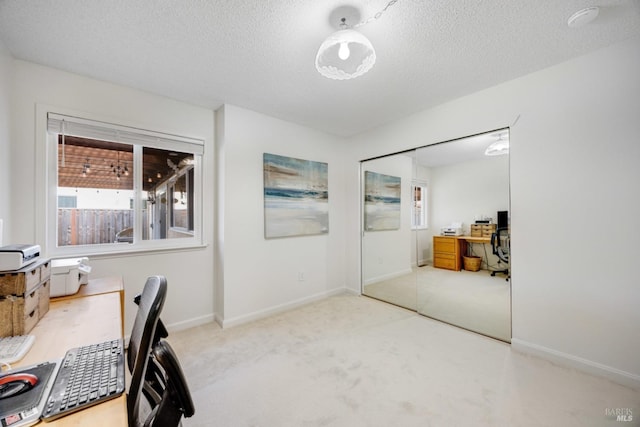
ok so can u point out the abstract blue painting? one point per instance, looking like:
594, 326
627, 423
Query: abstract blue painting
381, 201
296, 197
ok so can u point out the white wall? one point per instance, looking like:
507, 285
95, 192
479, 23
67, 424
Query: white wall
461, 192
189, 272
5, 145
574, 201
465, 190
261, 275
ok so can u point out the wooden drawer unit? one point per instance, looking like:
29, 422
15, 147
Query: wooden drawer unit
18, 315
43, 297
20, 281
488, 230
6, 317
447, 252
24, 297
45, 270
26, 314
482, 230
447, 261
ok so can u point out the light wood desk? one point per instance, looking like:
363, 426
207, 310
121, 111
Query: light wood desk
73, 322
448, 251
477, 239
474, 239
105, 285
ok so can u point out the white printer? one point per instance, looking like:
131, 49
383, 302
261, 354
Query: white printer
14, 257
455, 229
67, 275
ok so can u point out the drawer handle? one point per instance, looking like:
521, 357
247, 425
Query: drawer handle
32, 313
32, 294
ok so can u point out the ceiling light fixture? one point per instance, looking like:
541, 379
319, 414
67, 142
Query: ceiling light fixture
498, 148
583, 17
86, 168
117, 169
347, 54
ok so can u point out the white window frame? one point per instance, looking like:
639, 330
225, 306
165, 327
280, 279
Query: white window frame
171, 189
424, 224
47, 185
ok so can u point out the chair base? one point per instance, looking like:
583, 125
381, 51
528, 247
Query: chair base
505, 271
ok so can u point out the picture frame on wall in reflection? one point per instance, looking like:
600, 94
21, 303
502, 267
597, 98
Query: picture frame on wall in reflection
381, 201
296, 197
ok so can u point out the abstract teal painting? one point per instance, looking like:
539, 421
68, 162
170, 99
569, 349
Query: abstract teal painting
296, 197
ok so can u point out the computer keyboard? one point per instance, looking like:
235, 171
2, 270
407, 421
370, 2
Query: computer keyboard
14, 348
88, 375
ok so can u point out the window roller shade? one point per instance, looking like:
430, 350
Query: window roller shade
116, 133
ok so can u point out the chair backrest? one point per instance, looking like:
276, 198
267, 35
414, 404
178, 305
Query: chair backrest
500, 244
151, 374
173, 400
140, 344
161, 330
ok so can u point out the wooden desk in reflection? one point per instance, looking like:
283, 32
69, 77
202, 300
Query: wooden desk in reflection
449, 250
475, 239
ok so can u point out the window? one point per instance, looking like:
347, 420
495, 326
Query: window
67, 201
419, 205
182, 202
119, 188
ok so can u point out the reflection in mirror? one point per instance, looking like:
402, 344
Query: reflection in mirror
428, 246
464, 283
388, 266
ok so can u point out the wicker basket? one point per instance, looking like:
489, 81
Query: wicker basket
472, 263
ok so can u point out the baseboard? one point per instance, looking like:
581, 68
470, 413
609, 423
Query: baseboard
621, 377
260, 314
218, 319
190, 323
179, 326
352, 291
226, 323
388, 276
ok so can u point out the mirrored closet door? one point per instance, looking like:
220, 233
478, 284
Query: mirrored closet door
388, 242
428, 247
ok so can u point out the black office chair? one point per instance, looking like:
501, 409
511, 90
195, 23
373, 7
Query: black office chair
161, 330
170, 398
500, 247
151, 371
142, 337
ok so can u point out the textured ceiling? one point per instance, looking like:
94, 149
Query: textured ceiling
259, 54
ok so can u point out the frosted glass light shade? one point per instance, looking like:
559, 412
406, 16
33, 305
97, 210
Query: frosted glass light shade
497, 148
361, 56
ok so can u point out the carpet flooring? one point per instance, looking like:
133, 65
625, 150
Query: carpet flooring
355, 361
